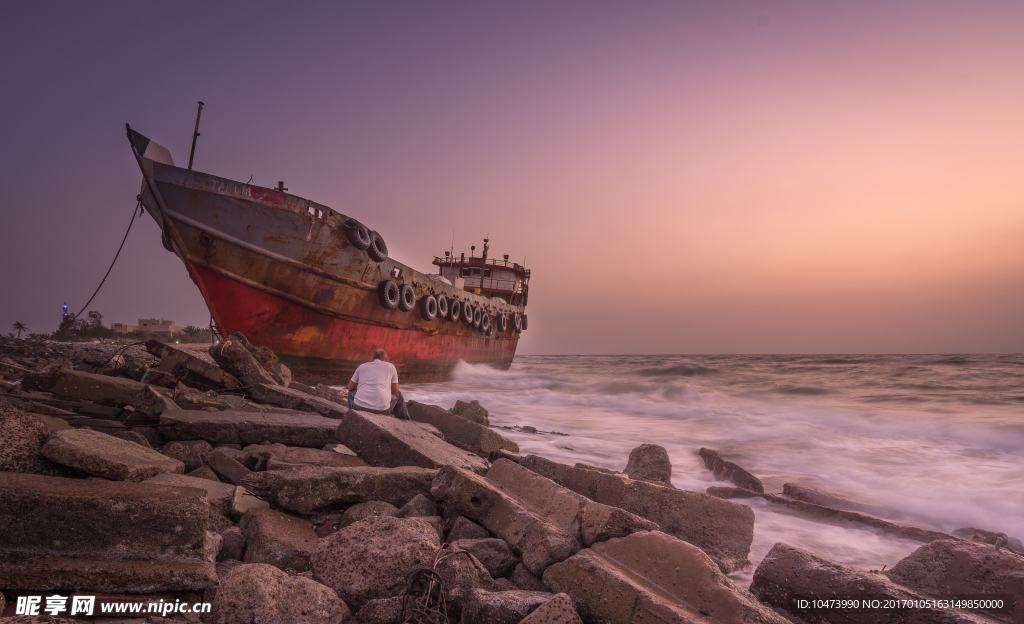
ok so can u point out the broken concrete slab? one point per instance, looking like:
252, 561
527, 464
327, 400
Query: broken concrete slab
369, 509
152, 403
193, 456
827, 515
722, 529
105, 456
232, 427
388, 442
649, 462
464, 528
788, 573
585, 519
825, 498
293, 458
729, 471
460, 432
492, 552
219, 495
946, 568
653, 578
102, 536
282, 396
235, 355
242, 502
306, 490
277, 539
78, 385
181, 364
539, 541
227, 467
420, 506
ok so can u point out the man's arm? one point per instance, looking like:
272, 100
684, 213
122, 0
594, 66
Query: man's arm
394, 388
353, 385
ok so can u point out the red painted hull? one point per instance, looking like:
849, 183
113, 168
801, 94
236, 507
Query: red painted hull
331, 347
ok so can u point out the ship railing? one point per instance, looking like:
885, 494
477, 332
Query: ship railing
491, 262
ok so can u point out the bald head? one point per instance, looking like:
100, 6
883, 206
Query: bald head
380, 354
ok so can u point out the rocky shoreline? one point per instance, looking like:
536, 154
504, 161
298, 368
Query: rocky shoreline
151, 473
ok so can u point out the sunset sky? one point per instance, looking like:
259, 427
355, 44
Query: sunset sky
681, 177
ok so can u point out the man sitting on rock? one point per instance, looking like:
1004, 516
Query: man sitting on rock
377, 384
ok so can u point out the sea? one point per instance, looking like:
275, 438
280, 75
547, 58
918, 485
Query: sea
936, 441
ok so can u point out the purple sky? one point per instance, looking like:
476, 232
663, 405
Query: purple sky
680, 177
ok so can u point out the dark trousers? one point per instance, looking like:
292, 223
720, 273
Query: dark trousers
397, 408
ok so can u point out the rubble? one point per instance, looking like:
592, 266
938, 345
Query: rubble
384, 441
473, 412
722, 529
649, 462
501, 607
558, 610
220, 496
189, 367
466, 435
282, 396
23, 436
101, 535
307, 490
230, 427
236, 355
787, 573
74, 384
369, 509
258, 592
729, 471
277, 539
106, 456
369, 559
493, 553
653, 577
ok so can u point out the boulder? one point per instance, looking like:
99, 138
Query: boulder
277, 539
493, 553
220, 495
558, 610
105, 456
787, 574
260, 593
649, 462
729, 471
282, 396
218, 523
192, 455
652, 577
465, 434
501, 607
945, 568
721, 528
232, 545
307, 490
472, 412
101, 536
133, 436
385, 441
52, 422
233, 427
236, 355
72, 384
371, 509
184, 365
370, 559
464, 528
419, 506
23, 437
972, 534
227, 467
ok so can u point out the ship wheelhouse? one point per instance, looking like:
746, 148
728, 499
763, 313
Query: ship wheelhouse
487, 277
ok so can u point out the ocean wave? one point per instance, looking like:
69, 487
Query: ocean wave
677, 370
804, 390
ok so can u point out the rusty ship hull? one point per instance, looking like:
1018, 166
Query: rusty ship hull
281, 270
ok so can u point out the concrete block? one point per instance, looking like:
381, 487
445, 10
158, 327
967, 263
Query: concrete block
277, 539
105, 456
463, 433
233, 427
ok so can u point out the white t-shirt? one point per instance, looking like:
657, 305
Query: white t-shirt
374, 380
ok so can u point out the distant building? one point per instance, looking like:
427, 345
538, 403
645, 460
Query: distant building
148, 326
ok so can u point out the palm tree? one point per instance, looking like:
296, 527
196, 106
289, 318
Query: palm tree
19, 327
